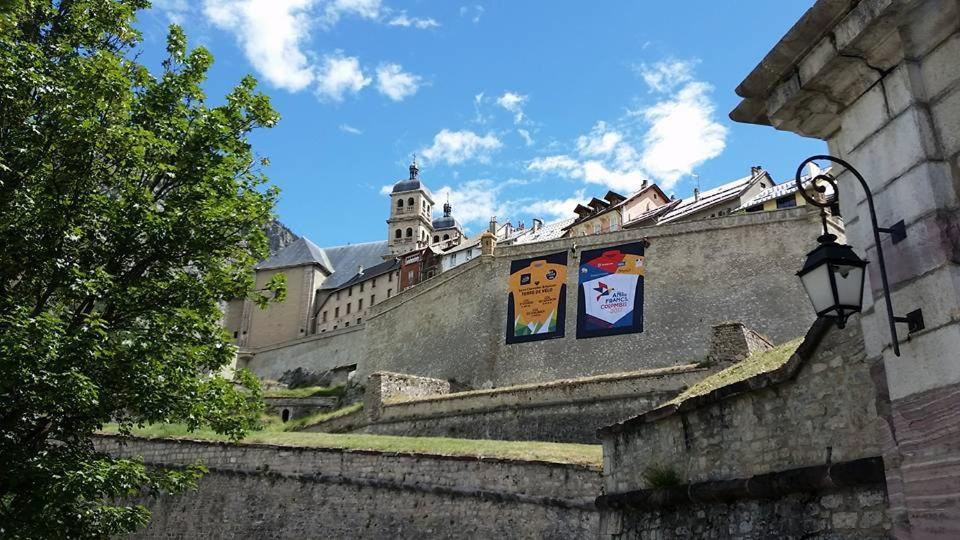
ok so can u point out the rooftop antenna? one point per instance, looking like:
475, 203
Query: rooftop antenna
697, 176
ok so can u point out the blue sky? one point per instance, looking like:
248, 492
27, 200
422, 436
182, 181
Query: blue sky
516, 109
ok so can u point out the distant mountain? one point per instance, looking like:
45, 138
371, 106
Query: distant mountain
278, 236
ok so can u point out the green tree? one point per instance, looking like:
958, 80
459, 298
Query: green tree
130, 209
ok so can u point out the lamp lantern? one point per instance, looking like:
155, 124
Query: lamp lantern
833, 274
833, 278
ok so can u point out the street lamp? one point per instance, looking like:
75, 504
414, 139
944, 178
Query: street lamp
833, 274
833, 278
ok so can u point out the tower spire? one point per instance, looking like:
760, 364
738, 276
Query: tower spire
413, 168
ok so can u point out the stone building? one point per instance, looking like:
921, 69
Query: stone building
348, 304
615, 211
410, 225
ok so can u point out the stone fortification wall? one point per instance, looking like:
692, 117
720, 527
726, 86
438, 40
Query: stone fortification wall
559, 411
261, 491
739, 268
796, 429
317, 353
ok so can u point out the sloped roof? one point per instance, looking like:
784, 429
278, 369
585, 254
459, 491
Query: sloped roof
548, 231
372, 272
652, 213
301, 252
779, 190
348, 259
712, 197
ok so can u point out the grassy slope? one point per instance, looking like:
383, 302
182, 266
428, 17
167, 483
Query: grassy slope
589, 455
754, 365
310, 391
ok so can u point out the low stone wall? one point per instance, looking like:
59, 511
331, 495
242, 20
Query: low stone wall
383, 387
317, 353
732, 342
761, 447
560, 411
262, 491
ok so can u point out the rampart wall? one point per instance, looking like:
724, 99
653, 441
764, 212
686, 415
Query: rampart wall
738, 268
793, 452
558, 411
262, 491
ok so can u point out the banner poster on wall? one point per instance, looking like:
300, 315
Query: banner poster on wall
610, 291
536, 307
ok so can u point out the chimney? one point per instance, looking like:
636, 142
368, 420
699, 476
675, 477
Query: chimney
755, 170
360, 270
493, 224
696, 194
537, 224
522, 226
644, 184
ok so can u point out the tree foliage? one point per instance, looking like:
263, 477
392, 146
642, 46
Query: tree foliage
130, 210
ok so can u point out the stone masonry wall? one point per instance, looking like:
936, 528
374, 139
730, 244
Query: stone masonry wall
559, 411
732, 342
740, 268
317, 353
383, 387
260, 491
850, 514
828, 413
820, 408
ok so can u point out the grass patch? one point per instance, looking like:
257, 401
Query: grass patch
588, 455
753, 365
316, 418
658, 477
309, 391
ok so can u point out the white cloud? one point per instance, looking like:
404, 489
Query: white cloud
386, 190
525, 135
175, 10
339, 75
474, 201
682, 134
395, 83
675, 135
406, 21
272, 34
474, 12
601, 141
667, 75
347, 128
513, 102
458, 146
563, 165
555, 208
365, 9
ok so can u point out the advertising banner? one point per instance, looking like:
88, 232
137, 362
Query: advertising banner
610, 291
537, 301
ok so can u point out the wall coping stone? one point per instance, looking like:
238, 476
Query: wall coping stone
818, 478
784, 373
340, 451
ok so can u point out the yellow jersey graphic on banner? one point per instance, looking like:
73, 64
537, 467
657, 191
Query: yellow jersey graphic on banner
536, 290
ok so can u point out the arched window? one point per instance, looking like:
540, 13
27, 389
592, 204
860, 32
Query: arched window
446, 237
409, 232
399, 203
436, 239
410, 201
398, 234
423, 204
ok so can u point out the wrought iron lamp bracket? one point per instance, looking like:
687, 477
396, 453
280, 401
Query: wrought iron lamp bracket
897, 232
